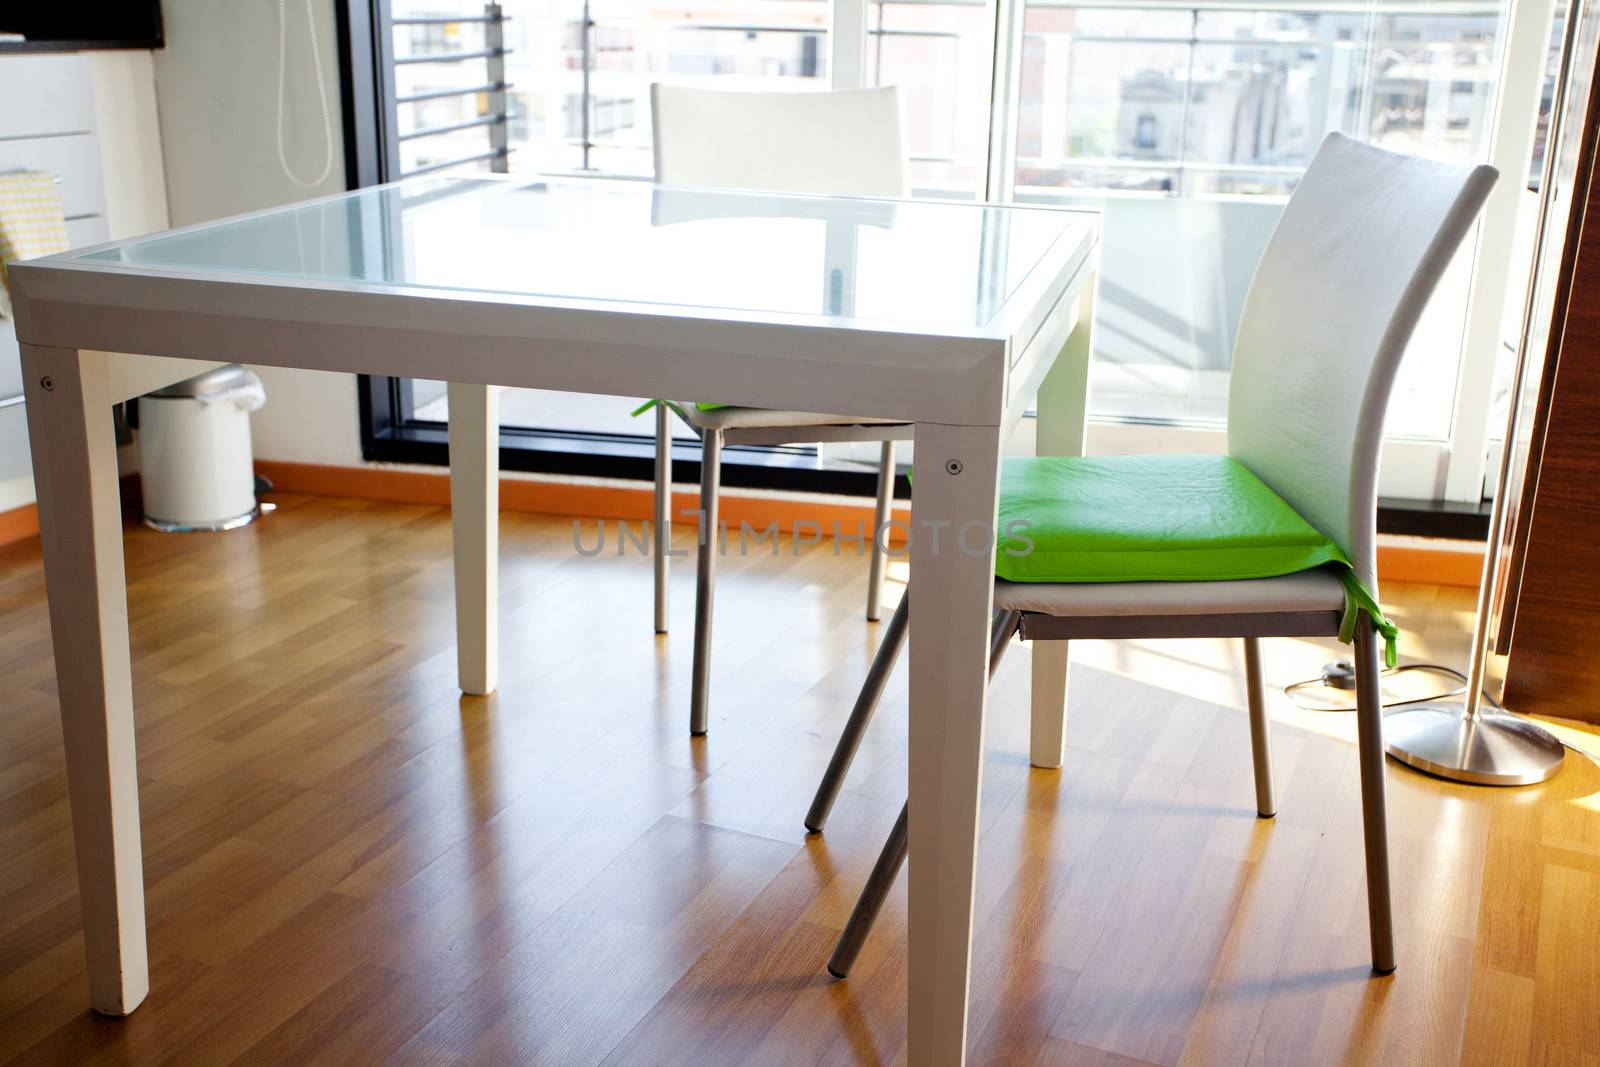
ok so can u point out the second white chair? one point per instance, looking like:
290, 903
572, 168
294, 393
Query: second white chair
845, 143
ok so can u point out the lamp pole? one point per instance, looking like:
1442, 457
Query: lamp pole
1465, 741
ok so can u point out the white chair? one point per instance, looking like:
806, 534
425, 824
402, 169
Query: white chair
1336, 296
847, 143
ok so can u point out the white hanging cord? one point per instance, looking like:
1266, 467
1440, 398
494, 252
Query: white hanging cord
322, 97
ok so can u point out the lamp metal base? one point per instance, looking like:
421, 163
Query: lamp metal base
1494, 749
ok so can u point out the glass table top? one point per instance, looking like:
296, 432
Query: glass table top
937, 264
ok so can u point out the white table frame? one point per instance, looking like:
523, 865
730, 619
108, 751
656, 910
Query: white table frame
965, 389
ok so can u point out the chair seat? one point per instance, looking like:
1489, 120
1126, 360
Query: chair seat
1152, 518
738, 418
1315, 590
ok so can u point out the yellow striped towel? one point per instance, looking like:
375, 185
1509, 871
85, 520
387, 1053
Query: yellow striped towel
31, 223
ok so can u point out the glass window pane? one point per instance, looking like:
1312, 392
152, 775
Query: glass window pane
1190, 126
733, 44
580, 101
429, 37
937, 52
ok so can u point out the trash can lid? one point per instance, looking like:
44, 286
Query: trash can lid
218, 380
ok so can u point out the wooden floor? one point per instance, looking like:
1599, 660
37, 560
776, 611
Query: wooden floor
349, 862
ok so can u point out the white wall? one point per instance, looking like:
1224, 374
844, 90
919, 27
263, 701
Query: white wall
217, 86
130, 142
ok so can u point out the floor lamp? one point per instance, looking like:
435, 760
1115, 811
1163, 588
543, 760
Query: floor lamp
1464, 740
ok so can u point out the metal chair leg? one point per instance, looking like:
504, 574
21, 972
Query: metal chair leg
1000, 632
1374, 817
870, 902
1005, 624
880, 518
663, 531
893, 855
705, 580
894, 640
1260, 736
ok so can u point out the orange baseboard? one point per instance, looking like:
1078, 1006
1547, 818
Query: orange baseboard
568, 498
18, 524
1412, 560
1439, 563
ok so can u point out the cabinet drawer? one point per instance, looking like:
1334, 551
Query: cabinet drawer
45, 95
74, 158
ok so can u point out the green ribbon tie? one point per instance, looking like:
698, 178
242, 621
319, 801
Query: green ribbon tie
1358, 602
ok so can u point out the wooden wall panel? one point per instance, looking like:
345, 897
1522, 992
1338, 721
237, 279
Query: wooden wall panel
1556, 634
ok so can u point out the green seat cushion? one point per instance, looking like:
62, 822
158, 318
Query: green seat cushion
1158, 518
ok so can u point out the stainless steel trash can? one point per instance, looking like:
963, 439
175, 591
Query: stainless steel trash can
195, 462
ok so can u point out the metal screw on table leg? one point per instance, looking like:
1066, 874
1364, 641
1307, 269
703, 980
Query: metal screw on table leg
47, 383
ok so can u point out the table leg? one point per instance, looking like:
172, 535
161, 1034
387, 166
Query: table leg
475, 532
80, 523
952, 572
1063, 421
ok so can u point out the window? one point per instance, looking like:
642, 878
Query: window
938, 52
1188, 127
581, 72
578, 100
1186, 123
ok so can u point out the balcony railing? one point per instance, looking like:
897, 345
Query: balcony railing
590, 69
494, 114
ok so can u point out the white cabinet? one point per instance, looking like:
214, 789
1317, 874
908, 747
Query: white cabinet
46, 123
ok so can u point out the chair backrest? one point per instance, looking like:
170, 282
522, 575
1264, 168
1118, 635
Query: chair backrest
1358, 251
844, 143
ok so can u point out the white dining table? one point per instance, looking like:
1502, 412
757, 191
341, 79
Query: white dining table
957, 317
